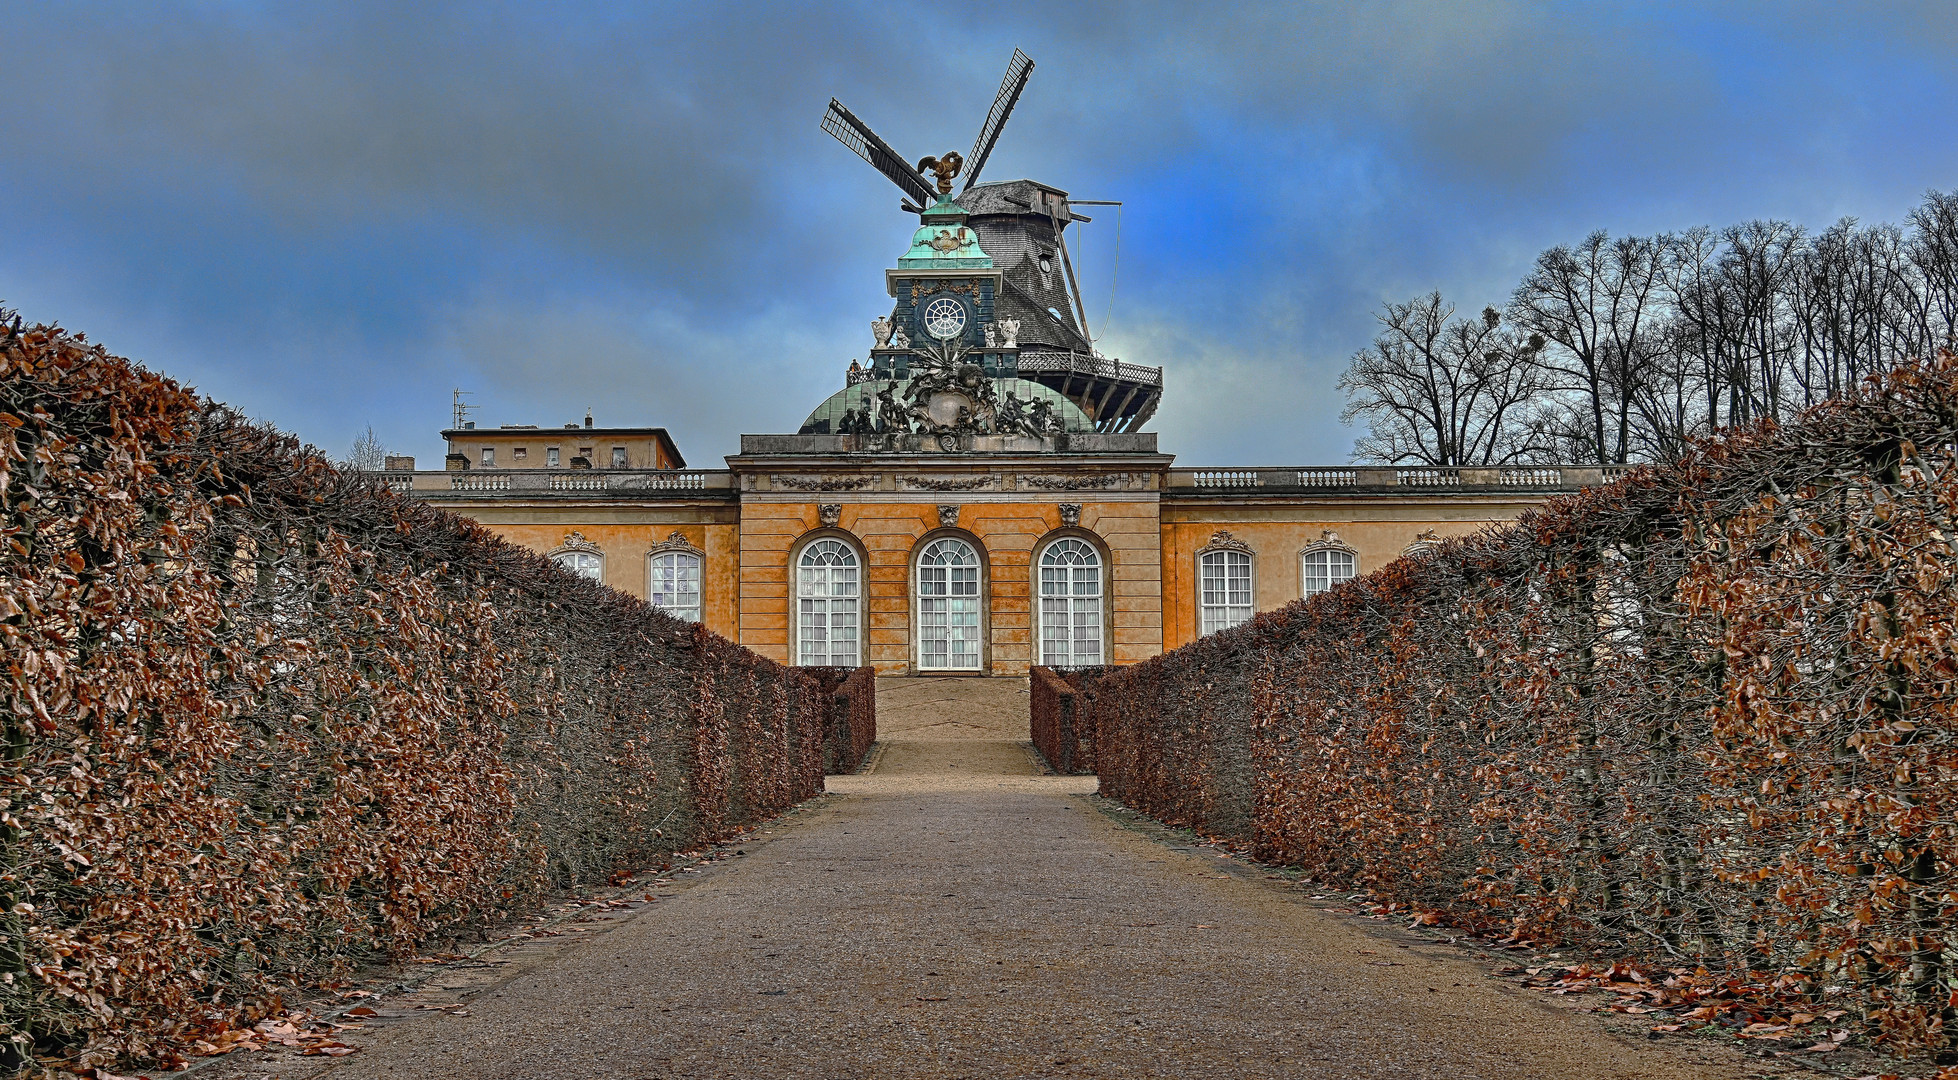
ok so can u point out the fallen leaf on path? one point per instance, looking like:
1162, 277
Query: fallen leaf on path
362, 1011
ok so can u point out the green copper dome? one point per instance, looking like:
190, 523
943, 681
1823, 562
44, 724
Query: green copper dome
944, 241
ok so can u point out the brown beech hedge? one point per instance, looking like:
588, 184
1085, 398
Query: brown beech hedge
1708, 714
852, 719
262, 720
1059, 731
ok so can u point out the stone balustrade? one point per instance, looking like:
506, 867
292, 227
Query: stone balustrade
1410, 479
571, 483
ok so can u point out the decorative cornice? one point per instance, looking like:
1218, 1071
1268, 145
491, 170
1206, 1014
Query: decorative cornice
1075, 483
1222, 540
947, 483
677, 541
827, 483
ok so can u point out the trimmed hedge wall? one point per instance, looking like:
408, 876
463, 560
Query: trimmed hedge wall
1707, 715
261, 720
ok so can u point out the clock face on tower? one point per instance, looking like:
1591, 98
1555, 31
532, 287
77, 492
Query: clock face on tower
944, 318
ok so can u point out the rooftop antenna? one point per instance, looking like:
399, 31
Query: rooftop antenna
461, 408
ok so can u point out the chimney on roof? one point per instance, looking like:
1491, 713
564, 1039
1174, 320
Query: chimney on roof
587, 417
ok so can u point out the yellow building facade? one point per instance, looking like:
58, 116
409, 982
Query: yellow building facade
978, 499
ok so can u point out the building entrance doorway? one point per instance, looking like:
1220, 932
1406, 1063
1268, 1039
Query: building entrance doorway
948, 606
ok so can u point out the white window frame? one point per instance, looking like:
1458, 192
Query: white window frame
1320, 564
618, 457
551, 457
829, 574
951, 596
489, 457
668, 565
579, 556
1220, 564
1071, 601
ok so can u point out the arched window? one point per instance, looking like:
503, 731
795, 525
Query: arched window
675, 584
580, 556
1326, 562
827, 589
1070, 604
1223, 583
582, 563
948, 606
1325, 568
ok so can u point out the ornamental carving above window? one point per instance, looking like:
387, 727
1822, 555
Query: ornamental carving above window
1222, 540
575, 541
1328, 540
676, 541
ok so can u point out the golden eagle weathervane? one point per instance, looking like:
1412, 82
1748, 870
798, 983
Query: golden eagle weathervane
944, 167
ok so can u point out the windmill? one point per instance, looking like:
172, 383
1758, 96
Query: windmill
1021, 224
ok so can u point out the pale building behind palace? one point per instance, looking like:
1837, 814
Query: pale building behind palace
977, 500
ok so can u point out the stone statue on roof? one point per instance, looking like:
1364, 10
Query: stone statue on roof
890, 415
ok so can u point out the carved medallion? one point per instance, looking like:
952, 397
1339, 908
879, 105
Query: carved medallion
829, 513
1071, 515
948, 516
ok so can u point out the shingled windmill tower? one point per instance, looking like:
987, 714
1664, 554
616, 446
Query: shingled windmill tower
1021, 226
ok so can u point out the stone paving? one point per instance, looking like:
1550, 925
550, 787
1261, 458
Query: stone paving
954, 913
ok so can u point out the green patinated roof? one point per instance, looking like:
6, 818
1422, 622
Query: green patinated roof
864, 395
945, 242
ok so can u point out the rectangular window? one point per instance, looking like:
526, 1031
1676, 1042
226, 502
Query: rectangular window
1224, 590
550, 457
489, 457
618, 457
520, 453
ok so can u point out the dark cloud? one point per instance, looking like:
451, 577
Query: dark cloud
332, 215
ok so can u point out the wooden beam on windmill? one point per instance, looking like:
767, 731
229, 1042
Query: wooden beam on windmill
856, 135
1018, 69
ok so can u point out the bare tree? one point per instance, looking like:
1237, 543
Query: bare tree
367, 454
1933, 250
1642, 343
1596, 305
1438, 390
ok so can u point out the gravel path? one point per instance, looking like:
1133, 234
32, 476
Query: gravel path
953, 913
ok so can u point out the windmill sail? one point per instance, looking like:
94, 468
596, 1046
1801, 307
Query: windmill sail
856, 135
1017, 71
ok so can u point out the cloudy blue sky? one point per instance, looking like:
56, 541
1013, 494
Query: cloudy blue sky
331, 215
